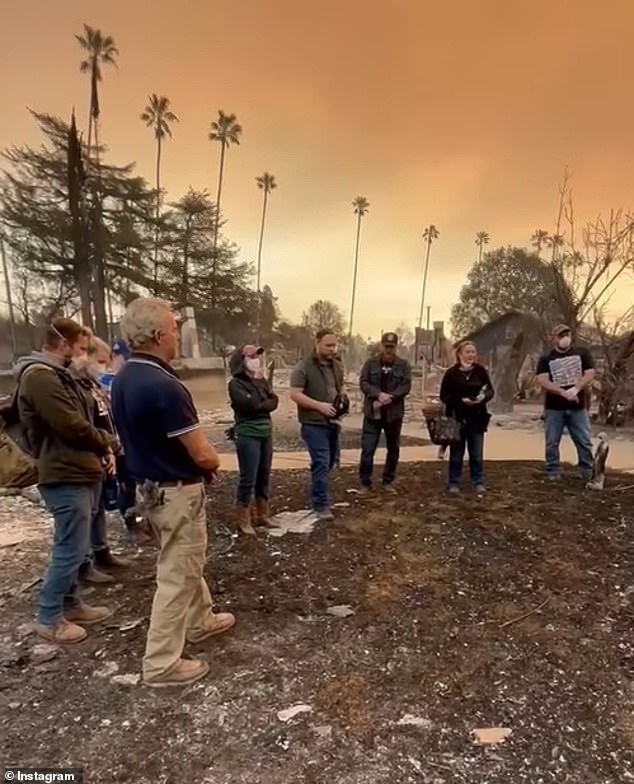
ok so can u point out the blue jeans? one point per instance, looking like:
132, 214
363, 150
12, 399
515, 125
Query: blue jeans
255, 456
474, 442
322, 442
578, 425
73, 508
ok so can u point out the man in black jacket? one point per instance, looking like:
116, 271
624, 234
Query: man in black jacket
385, 381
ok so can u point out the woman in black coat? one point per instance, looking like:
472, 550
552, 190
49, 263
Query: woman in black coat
465, 390
252, 401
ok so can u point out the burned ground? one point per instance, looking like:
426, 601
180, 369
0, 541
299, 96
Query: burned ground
436, 646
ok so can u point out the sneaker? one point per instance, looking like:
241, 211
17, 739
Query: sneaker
184, 672
388, 487
366, 489
480, 489
217, 623
89, 574
86, 614
64, 632
454, 490
553, 477
324, 515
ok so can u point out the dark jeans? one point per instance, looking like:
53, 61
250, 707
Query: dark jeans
73, 508
98, 531
474, 442
255, 456
370, 436
322, 442
127, 487
578, 425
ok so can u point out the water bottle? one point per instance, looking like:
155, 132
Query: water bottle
111, 494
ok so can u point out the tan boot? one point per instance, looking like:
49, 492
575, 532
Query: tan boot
242, 520
64, 632
184, 672
217, 623
86, 614
263, 513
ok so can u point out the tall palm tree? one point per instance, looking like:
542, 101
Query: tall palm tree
555, 241
266, 183
482, 239
361, 206
227, 131
158, 116
430, 234
539, 239
100, 50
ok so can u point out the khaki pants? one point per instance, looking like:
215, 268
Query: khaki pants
182, 602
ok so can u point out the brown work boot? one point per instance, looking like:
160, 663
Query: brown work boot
184, 672
107, 560
86, 614
88, 574
64, 632
216, 623
263, 513
242, 520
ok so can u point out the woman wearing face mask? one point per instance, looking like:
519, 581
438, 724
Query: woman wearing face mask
465, 390
252, 401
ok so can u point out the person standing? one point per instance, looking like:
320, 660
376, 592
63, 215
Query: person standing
252, 400
87, 369
566, 374
169, 457
465, 391
385, 382
71, 456
317, 388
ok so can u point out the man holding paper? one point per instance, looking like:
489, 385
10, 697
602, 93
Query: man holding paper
566, 374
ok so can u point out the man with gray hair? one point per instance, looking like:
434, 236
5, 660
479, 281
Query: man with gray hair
170, 459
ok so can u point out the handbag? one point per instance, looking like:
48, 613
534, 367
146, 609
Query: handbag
444, 430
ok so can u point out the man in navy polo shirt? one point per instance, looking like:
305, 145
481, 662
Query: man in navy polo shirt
157, 422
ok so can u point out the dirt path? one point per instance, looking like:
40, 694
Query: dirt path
432, 650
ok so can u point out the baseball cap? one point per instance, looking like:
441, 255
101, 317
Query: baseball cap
560, 329
120, 348
389, 339
252, 351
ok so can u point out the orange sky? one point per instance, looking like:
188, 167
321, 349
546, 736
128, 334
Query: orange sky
461, 113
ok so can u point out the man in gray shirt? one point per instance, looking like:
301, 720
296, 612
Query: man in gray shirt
317, 387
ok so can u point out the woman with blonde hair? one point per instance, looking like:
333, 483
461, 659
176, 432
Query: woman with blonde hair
465, 391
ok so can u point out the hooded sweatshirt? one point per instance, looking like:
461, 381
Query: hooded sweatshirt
252, 400
57, 423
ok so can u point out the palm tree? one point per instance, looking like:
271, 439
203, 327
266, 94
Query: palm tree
482, 239
430, 234
555, 241
361, 206
539, 239
100, 50
225, 130
158, 116
266, 183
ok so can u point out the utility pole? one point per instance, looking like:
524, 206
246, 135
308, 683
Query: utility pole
7, 285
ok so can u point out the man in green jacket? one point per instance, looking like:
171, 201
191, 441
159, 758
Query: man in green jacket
72, 456
317, 387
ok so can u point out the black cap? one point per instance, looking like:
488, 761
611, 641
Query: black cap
389, 339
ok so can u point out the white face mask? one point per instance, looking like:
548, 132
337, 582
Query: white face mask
564, 343
252, 364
